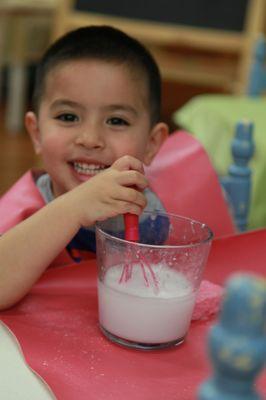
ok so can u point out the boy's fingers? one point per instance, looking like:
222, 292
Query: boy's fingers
127, 163
132, 196
132, 208
134, 179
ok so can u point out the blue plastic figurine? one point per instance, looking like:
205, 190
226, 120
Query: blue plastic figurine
238, 182
237, 343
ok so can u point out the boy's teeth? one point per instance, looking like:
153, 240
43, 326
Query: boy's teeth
88, 168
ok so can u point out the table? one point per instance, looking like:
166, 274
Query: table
56, 325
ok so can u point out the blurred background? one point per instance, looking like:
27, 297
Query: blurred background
205, 50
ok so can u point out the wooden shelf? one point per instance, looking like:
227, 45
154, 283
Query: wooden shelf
164, 33
196, 69
160, 37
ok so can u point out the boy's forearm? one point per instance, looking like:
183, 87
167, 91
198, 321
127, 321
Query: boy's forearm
28, 249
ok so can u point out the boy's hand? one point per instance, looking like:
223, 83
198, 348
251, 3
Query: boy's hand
118, 190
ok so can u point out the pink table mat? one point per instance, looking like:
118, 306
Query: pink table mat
57, 327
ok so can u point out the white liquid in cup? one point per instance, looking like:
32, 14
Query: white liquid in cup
133, 311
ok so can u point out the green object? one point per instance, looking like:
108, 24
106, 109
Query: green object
212, 120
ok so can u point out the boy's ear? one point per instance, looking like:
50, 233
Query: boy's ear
31, 123
158, 135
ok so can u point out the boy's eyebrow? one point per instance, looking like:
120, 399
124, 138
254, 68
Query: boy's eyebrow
65, 102
122, 107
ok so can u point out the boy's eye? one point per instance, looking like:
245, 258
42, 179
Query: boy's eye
67, 117
117, 121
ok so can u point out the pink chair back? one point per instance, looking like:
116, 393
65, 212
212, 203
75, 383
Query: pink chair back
184, 179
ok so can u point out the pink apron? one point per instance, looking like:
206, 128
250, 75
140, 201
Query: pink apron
22, 200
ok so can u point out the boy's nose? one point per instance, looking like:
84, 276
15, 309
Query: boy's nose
91, 138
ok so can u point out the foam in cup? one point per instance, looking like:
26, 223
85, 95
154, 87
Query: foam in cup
143, 313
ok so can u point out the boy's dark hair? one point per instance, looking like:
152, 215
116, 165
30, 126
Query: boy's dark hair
107, 44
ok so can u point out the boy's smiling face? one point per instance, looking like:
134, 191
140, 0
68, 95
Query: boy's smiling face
92, 113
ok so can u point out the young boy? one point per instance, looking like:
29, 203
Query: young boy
95, 123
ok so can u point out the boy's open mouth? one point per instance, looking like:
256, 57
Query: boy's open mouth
88, 169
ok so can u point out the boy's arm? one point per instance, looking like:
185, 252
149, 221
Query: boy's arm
27, 249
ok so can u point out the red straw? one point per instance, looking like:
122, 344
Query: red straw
131, 222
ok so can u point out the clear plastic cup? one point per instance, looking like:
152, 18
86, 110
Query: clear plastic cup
147, 290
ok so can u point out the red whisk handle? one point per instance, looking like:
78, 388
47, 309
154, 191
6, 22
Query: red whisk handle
131, 227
